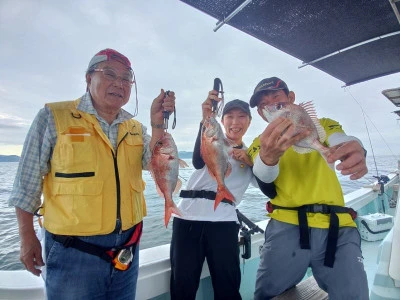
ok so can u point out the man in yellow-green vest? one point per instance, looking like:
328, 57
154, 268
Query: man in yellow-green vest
310, 225
86, 157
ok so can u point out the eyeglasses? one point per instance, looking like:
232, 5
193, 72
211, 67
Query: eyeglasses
110, 75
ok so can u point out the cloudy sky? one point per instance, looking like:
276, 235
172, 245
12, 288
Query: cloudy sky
46, 46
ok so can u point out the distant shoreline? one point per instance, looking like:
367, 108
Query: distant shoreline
15, 158
181, 154
9, 158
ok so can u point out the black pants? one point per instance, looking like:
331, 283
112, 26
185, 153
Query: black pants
194, 241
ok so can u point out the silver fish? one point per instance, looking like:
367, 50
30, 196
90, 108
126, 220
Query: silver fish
303, 117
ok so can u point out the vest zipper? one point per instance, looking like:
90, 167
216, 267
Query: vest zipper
118, 182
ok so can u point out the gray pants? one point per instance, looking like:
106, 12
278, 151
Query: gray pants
283, 263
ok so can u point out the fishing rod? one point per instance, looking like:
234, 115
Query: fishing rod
246, 233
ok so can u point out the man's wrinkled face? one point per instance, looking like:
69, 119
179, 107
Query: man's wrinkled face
109, 94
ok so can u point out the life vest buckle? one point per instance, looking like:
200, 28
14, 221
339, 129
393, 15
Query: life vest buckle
319, 208
122, 261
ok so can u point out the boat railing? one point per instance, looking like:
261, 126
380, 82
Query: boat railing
154, 264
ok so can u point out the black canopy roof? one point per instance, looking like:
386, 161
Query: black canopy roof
314, 29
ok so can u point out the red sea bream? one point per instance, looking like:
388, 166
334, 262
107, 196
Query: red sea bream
304, 117
164, 167
214, 151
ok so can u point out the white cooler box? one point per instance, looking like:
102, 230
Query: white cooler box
375, 227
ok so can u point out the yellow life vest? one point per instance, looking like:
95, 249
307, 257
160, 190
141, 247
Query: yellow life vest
89, 185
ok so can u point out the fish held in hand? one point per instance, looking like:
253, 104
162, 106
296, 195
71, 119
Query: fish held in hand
214, 151
164, 168
303, 117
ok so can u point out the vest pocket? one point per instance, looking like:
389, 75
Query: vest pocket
137, 203
75, 151
133, 148
76, 208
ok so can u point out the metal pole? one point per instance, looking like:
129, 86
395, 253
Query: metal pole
231, 15
396, 11
348, 48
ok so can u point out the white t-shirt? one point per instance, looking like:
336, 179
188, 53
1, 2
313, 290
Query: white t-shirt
199, 209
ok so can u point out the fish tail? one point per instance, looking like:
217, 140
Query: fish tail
169, 210
222, 193
325, 155
325, 152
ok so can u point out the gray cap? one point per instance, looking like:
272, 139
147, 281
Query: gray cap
267, 84
240, 104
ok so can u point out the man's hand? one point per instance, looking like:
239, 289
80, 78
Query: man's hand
31, 253
31, 249
160, 104
206, 106
352, 158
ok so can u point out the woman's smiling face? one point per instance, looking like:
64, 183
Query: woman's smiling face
236, 122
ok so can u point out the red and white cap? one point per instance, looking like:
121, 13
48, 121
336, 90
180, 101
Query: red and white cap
107, 55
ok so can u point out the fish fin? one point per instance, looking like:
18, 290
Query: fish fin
325, 153
159, 191
230, 143
223, 193
182, 163
211, 174
155, 183
178, 186
169, 210
228, 169
309, 108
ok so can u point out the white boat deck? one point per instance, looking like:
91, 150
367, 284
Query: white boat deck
370, 253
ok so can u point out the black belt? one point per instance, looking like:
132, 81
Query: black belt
210, 195
333, 232
104, 253
74, 242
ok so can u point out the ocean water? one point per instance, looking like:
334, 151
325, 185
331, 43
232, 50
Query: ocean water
154, 232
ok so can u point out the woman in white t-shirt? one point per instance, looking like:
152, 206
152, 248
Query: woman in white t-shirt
204, 233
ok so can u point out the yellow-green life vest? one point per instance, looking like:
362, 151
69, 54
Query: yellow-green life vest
306, 179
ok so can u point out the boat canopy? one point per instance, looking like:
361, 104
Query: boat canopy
353, 41
394, 96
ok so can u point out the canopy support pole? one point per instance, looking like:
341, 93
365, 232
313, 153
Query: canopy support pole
348, 48
396, 11
231, 15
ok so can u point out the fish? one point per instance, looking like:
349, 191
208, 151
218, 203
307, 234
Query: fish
164, 168
303, 116
214, 150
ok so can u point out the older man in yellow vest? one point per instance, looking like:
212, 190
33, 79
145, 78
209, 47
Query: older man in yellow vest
86, 156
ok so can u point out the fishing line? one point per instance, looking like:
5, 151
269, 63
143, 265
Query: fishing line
366, 126
373, 154
182, 178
